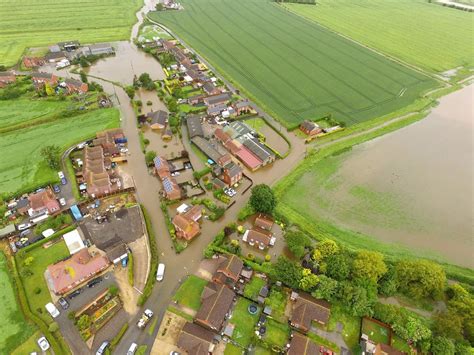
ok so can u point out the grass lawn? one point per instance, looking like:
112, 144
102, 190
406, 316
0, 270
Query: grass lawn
400, 344
189, 293
149, 32
231, 349
253, 43
351, 325
277, 333
427, 35
252, 289
13, 326
256, 123
375, 332
32, 24
30, 346
277, 300
21, 165
262, 351
244, 322
42, 257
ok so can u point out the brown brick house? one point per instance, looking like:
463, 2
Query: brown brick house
196, 340
228, 271
216, 301
307, 309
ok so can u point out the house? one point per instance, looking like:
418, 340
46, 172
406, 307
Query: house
228, 270
216, 109
32, 62
65, 275
249, 160
307, 309
221, 136
196, 99
94, 171
310, 128
39, 79
186, 228
302, 345
158, 119
109, 140
242, 107
69, 46
194, 213
259, 238
195, 340
194, 127
216, 301
101, 49
161, 167
6, 78
232, 174
74, 86
264, 221
22, 206
210, 89
171, 188
224, 160
218, 99
54, 57
43, 202
265, 155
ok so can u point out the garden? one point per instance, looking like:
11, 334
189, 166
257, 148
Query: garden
277, 300
277, 334
189, 293
376, 331
244, 322
253, 287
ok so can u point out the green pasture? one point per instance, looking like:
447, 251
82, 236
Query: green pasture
21, 165
425, 34
30, 23
292, 67
13, 327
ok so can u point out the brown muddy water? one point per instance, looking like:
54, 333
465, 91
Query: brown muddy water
426, 169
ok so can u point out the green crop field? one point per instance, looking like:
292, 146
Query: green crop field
21, 165
13, 326
428, 35
292, 67
31, 23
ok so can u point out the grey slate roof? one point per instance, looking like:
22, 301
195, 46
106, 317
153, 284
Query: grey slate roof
194, 126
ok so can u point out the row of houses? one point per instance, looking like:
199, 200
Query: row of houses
39, 79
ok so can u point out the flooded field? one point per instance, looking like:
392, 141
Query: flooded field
413, 187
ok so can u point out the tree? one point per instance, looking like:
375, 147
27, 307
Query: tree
146, 81
130, 90
113, 290
51, 154
337, 266
356, 299
368, 265
416, 330
442, 346
308, 280
325, 248
28, 261
263, 199
326, 289
149, 157
297, 242
84, 322
420, 278
448, 324
287, 272
83, 76
388, 283
49, 91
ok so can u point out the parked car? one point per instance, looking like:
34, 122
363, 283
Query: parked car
94, 282
62, 201
145, 318
63, 303
56, 188
23, 226
52, 310
25, 232
74, 294
43, 343
132, 349
102, 348
63, 181
160, 273
60, 174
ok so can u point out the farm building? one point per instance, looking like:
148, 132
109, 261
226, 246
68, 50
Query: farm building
6, 78
310, 128
194, 127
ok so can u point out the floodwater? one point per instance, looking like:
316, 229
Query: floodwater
427, 169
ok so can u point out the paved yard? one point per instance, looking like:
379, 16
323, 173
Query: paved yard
139, 250
168, 334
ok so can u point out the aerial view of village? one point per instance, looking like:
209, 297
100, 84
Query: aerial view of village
237, 177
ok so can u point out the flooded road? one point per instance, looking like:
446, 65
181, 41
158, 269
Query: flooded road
413, 186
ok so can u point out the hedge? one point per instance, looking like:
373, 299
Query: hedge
130, 268
150, 282
201, 173
119, 336
49, 239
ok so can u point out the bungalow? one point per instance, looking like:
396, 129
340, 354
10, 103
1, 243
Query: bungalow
6, 78
195, 340
76, 86
216, 301
210, 89
232, 174
265, 155
310, 128
65, 275
32, 62
307, 309
219, 99
302, 345
185, 227
43, 202
242, 107
263, 221
249, 160
158, 119
194, 127
228, 270
259, 238
39, 79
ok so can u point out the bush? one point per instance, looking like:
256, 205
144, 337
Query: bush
37, 290
149, 157
130, 269
199, 174
119, 336
113, 290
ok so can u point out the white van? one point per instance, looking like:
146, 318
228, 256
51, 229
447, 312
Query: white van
52, 310
160, 273
132, 349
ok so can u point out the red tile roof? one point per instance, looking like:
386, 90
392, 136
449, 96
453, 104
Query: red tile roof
250, 160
